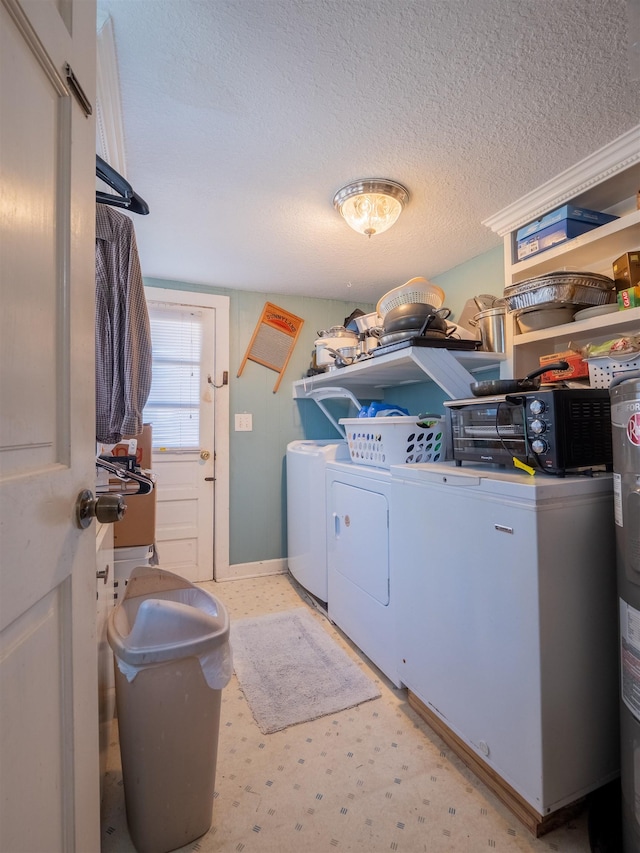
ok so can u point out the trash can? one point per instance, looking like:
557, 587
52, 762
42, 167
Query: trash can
171, 645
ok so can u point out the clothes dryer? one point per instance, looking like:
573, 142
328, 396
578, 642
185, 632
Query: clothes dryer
360, 581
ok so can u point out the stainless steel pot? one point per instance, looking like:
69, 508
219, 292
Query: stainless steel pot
333, 339
344, 356
368, 342
491, 325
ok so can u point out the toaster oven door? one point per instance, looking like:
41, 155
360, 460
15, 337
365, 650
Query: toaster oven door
488, 432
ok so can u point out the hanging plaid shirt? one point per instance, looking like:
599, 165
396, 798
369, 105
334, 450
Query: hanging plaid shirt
123, 336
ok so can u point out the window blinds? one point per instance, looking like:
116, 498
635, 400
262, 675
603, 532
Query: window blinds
173, 406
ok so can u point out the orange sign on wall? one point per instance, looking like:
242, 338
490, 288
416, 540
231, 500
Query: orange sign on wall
273, 340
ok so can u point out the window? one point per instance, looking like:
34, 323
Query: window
173, 406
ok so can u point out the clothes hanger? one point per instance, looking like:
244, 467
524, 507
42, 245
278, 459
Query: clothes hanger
127, 197
145, 484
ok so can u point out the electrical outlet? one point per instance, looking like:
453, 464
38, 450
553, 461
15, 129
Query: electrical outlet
244, 422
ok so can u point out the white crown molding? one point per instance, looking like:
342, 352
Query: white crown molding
109, 129
615, 157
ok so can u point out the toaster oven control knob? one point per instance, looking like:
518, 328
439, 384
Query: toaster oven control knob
538, 426
539, 445
536, 407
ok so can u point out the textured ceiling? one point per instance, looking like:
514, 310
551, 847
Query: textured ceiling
243, 117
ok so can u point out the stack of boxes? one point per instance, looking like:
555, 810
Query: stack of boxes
138, 527
135, 535
626, 274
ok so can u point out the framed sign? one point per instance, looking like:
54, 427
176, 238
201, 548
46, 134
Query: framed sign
273, 340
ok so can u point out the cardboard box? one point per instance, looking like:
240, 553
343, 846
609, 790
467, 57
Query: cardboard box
629, 298
143, 450
138, 527
567, 211
626, 270
552, 236
578, 367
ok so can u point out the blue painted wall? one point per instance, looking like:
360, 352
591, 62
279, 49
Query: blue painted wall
257, 487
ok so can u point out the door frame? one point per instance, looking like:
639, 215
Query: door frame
196, 299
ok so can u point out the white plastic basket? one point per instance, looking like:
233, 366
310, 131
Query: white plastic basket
604, 369
382, 442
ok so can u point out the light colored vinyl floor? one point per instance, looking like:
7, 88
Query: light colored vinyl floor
368, 779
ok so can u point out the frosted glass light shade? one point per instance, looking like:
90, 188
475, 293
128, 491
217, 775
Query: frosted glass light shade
372, 206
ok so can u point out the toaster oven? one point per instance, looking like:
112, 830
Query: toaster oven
558, 430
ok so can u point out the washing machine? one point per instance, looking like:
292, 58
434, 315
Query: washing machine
306, 511
359, 576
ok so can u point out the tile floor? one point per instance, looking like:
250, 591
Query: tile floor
368, 779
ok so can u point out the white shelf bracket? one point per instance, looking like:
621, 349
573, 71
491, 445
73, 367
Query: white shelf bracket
445, 370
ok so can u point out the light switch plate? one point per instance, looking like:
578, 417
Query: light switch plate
244, 422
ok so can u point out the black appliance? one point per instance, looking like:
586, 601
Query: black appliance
555, 429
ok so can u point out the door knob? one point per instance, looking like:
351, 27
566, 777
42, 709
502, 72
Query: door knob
205, 454
105, 508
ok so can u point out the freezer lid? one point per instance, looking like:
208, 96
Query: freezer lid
501, 482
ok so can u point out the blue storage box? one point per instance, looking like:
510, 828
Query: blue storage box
551, 236
557, 227
568, 211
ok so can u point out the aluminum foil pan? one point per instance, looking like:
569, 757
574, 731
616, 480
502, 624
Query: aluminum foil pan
573, 287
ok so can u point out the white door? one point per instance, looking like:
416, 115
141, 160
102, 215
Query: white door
188, 409
49, 797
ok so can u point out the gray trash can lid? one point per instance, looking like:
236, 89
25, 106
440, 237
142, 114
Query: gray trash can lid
164, 617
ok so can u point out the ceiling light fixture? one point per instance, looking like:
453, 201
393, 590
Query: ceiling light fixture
371, 206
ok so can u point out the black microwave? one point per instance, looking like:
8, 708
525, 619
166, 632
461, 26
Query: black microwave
556, 429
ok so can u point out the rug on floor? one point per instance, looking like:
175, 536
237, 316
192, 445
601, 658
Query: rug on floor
291, 671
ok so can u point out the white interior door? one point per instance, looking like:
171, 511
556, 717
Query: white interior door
188, 409
49, 797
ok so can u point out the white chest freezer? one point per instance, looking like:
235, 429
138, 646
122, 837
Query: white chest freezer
506, 589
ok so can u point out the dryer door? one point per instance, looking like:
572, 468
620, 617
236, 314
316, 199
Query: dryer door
360, 538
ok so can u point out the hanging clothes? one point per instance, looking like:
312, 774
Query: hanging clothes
123, 334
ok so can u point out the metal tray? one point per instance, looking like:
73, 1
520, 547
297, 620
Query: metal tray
575, 288
441, 343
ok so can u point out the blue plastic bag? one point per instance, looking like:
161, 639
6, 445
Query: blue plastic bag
377, 409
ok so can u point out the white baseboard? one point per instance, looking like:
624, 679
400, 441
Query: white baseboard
252, 570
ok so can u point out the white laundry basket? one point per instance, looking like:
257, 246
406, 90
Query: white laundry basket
397, 440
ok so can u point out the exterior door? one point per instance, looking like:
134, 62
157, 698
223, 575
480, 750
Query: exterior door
188, 409
49, 796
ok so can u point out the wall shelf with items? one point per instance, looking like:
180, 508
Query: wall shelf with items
528, 348
451, 370
609, 181
594, 251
